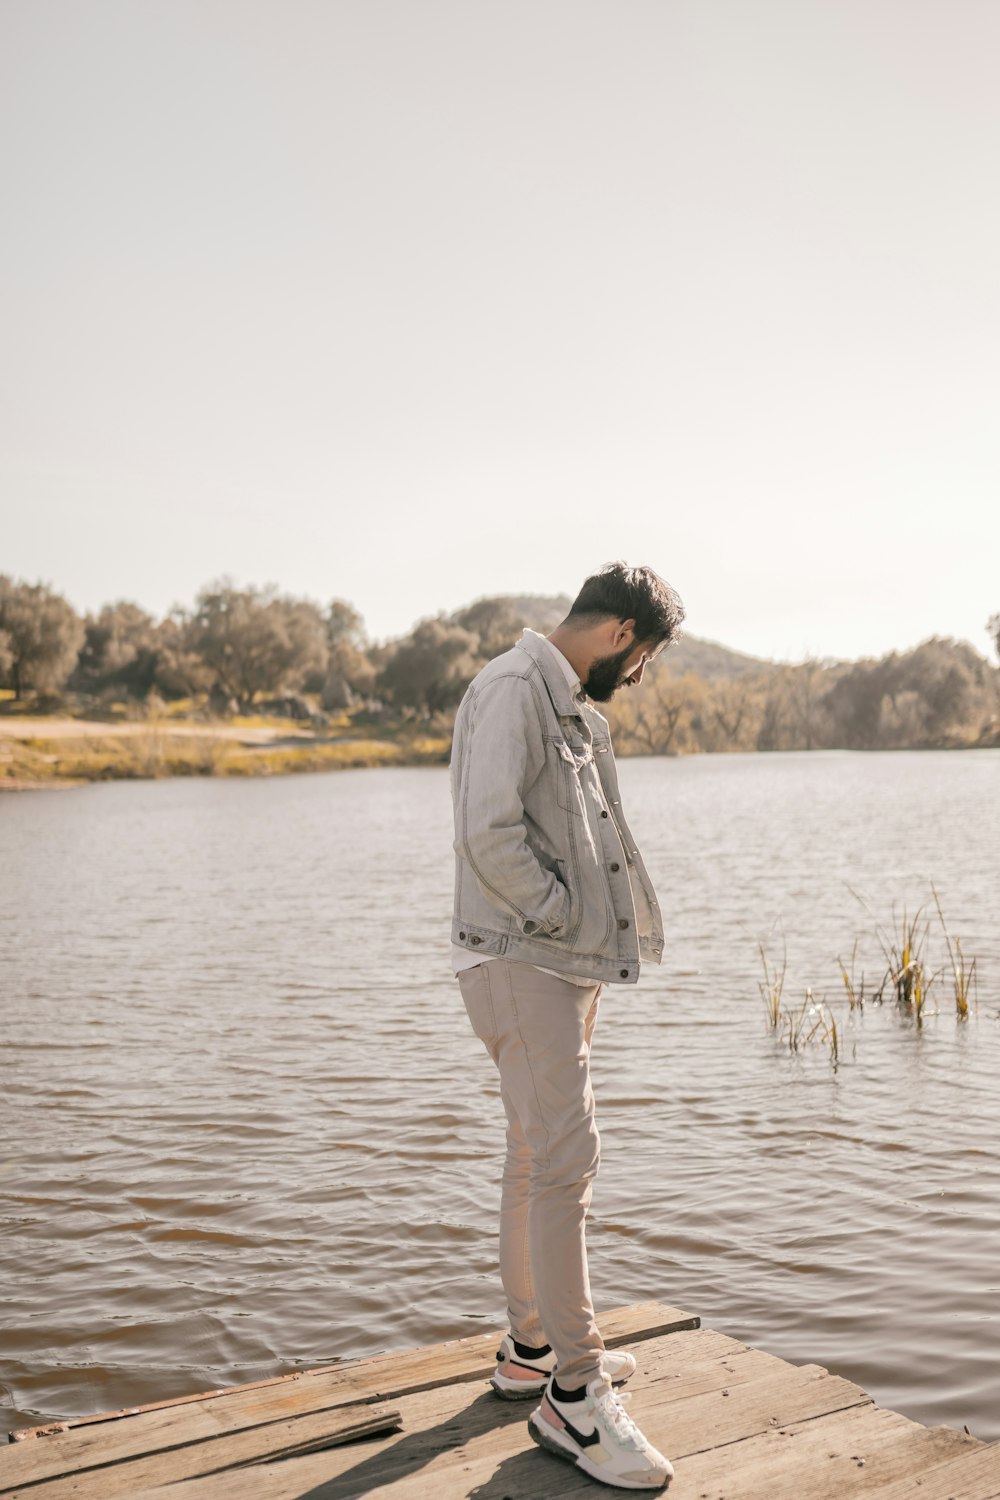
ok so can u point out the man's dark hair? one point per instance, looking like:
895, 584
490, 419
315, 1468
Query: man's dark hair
623, 593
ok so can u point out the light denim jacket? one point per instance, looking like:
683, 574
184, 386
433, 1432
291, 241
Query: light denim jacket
543, 855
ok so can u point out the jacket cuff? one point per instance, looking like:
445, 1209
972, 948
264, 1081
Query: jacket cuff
553, 917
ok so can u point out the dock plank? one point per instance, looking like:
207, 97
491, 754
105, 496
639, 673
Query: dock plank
702, 1362
164, 1429
812, 1460
851, 1453
454, 1440
269, 1442
972, 1476
738, 1423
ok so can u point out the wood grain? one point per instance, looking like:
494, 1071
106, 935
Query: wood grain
164, 1429
738, 1423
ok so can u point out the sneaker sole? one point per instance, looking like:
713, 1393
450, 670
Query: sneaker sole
527, 1391
521, 1390
551, 1442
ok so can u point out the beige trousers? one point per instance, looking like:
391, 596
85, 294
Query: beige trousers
538, 1028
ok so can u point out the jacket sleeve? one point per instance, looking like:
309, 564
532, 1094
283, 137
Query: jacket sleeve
502, 755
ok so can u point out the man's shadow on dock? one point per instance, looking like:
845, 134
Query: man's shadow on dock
516, 1476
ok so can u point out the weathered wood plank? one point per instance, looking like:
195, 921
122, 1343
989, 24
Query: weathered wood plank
270, 1443
456, 1440
812, 1460
739, 1424
385, 1377
70, 1424
972, 1476
681, 1419
702, 1361
849, 1453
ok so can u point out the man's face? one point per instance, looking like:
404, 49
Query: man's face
622, 669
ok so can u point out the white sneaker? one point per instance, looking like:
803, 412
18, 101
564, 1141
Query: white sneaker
517, 1379
598, 1436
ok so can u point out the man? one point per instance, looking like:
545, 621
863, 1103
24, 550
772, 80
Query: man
552, 902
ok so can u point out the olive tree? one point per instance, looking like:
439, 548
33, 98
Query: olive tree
256, 640
431, 667
349, 669
40, 636
121, 647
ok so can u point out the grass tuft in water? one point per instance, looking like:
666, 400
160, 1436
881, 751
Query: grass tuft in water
909, 977
903, 948
813, 1021
855, 988
963, 973
832, 1037
772, 986
919, 988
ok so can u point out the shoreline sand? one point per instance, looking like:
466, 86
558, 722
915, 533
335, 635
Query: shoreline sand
47, 753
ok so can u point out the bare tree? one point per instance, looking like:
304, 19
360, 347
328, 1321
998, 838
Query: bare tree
773, 733
656, 712
804, 696
731, 702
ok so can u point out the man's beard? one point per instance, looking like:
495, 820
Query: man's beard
607, 675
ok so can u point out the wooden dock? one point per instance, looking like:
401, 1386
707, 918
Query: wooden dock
737, 1423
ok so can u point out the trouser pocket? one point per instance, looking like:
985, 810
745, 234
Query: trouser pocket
478, 996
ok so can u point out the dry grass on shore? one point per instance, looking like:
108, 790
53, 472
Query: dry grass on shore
38, 761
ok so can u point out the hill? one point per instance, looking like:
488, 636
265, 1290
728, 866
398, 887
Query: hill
711, 661
505, 614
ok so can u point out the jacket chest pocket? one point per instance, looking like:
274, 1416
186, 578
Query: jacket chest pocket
575, 767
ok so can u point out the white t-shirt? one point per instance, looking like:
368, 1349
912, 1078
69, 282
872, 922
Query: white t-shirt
461, 957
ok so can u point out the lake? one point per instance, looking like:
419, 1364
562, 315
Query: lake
246, 1127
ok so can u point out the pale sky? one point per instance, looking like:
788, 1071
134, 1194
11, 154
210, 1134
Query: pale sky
411, 301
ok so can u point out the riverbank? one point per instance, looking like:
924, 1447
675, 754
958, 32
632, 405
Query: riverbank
47, 752
39, 753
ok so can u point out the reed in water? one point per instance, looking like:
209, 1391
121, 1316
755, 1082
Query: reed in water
908, 977
963, 973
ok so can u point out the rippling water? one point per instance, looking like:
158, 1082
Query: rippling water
245, 1125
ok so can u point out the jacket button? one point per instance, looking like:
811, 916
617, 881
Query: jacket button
475, 940
461, 937
615, 869
623, 973
604, 812
622, 922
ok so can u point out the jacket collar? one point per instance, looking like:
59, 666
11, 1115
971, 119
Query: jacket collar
542, 651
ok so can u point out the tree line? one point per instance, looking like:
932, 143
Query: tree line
941, 693
236, 649
244, 646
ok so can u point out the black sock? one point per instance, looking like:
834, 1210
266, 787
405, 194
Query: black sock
523, 1351
562, 1395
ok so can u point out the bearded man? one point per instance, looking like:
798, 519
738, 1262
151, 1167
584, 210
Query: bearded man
552, 903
